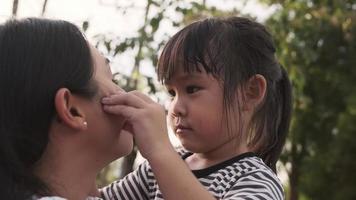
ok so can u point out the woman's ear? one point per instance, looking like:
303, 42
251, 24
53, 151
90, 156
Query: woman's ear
69, 111
255, 91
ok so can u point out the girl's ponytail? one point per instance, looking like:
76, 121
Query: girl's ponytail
283, 97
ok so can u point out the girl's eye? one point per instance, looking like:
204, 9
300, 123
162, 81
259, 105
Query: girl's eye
192, 89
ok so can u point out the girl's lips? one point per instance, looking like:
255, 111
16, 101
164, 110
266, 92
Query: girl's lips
181, 129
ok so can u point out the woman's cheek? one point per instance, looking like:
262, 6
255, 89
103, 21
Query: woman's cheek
108, 88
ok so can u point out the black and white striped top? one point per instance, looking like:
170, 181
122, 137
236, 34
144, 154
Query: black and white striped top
243, 177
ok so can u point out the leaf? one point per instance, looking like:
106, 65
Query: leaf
85, 26
120, 48
155, 22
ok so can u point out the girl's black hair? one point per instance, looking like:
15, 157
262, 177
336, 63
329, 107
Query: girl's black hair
233, 50
37, 57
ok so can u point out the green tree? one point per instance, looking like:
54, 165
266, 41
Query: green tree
316, 42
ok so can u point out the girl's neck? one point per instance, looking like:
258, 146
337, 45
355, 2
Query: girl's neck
72, 178
215, 156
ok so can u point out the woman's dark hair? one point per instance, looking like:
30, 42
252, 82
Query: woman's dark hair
37, 57
233, 50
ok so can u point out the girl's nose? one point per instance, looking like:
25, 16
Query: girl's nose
178, 107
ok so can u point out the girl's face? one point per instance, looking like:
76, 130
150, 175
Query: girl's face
106, 136
196, 111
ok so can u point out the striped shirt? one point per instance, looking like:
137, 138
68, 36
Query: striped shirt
243, 177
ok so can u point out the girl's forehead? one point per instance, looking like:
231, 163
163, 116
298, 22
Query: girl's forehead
180, 77
188, 68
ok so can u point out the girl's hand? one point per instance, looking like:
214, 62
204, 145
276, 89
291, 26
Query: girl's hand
146, 120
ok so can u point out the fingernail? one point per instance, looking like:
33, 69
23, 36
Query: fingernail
105, 100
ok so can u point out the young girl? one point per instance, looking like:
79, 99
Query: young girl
54, 135
230, 109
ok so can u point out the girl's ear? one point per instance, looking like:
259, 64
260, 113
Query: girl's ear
69, 111
255, 91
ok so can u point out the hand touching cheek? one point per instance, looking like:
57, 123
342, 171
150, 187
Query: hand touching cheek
146, 120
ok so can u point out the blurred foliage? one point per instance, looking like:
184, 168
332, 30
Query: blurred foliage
316, 43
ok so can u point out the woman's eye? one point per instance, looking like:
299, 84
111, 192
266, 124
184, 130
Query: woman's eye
115, 81
171, 93
192, 89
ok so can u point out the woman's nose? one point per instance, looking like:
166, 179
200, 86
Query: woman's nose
120, 89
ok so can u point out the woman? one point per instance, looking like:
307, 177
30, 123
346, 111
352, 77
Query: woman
54, 135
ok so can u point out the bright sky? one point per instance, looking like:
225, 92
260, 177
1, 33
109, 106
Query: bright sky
105, 18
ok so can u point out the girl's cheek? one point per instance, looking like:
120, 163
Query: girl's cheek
170, 120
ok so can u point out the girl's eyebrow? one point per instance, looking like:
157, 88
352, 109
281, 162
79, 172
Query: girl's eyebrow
185, 77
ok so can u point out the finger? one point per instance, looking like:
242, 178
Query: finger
125, 111
142, 96
124, 99
117, 91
